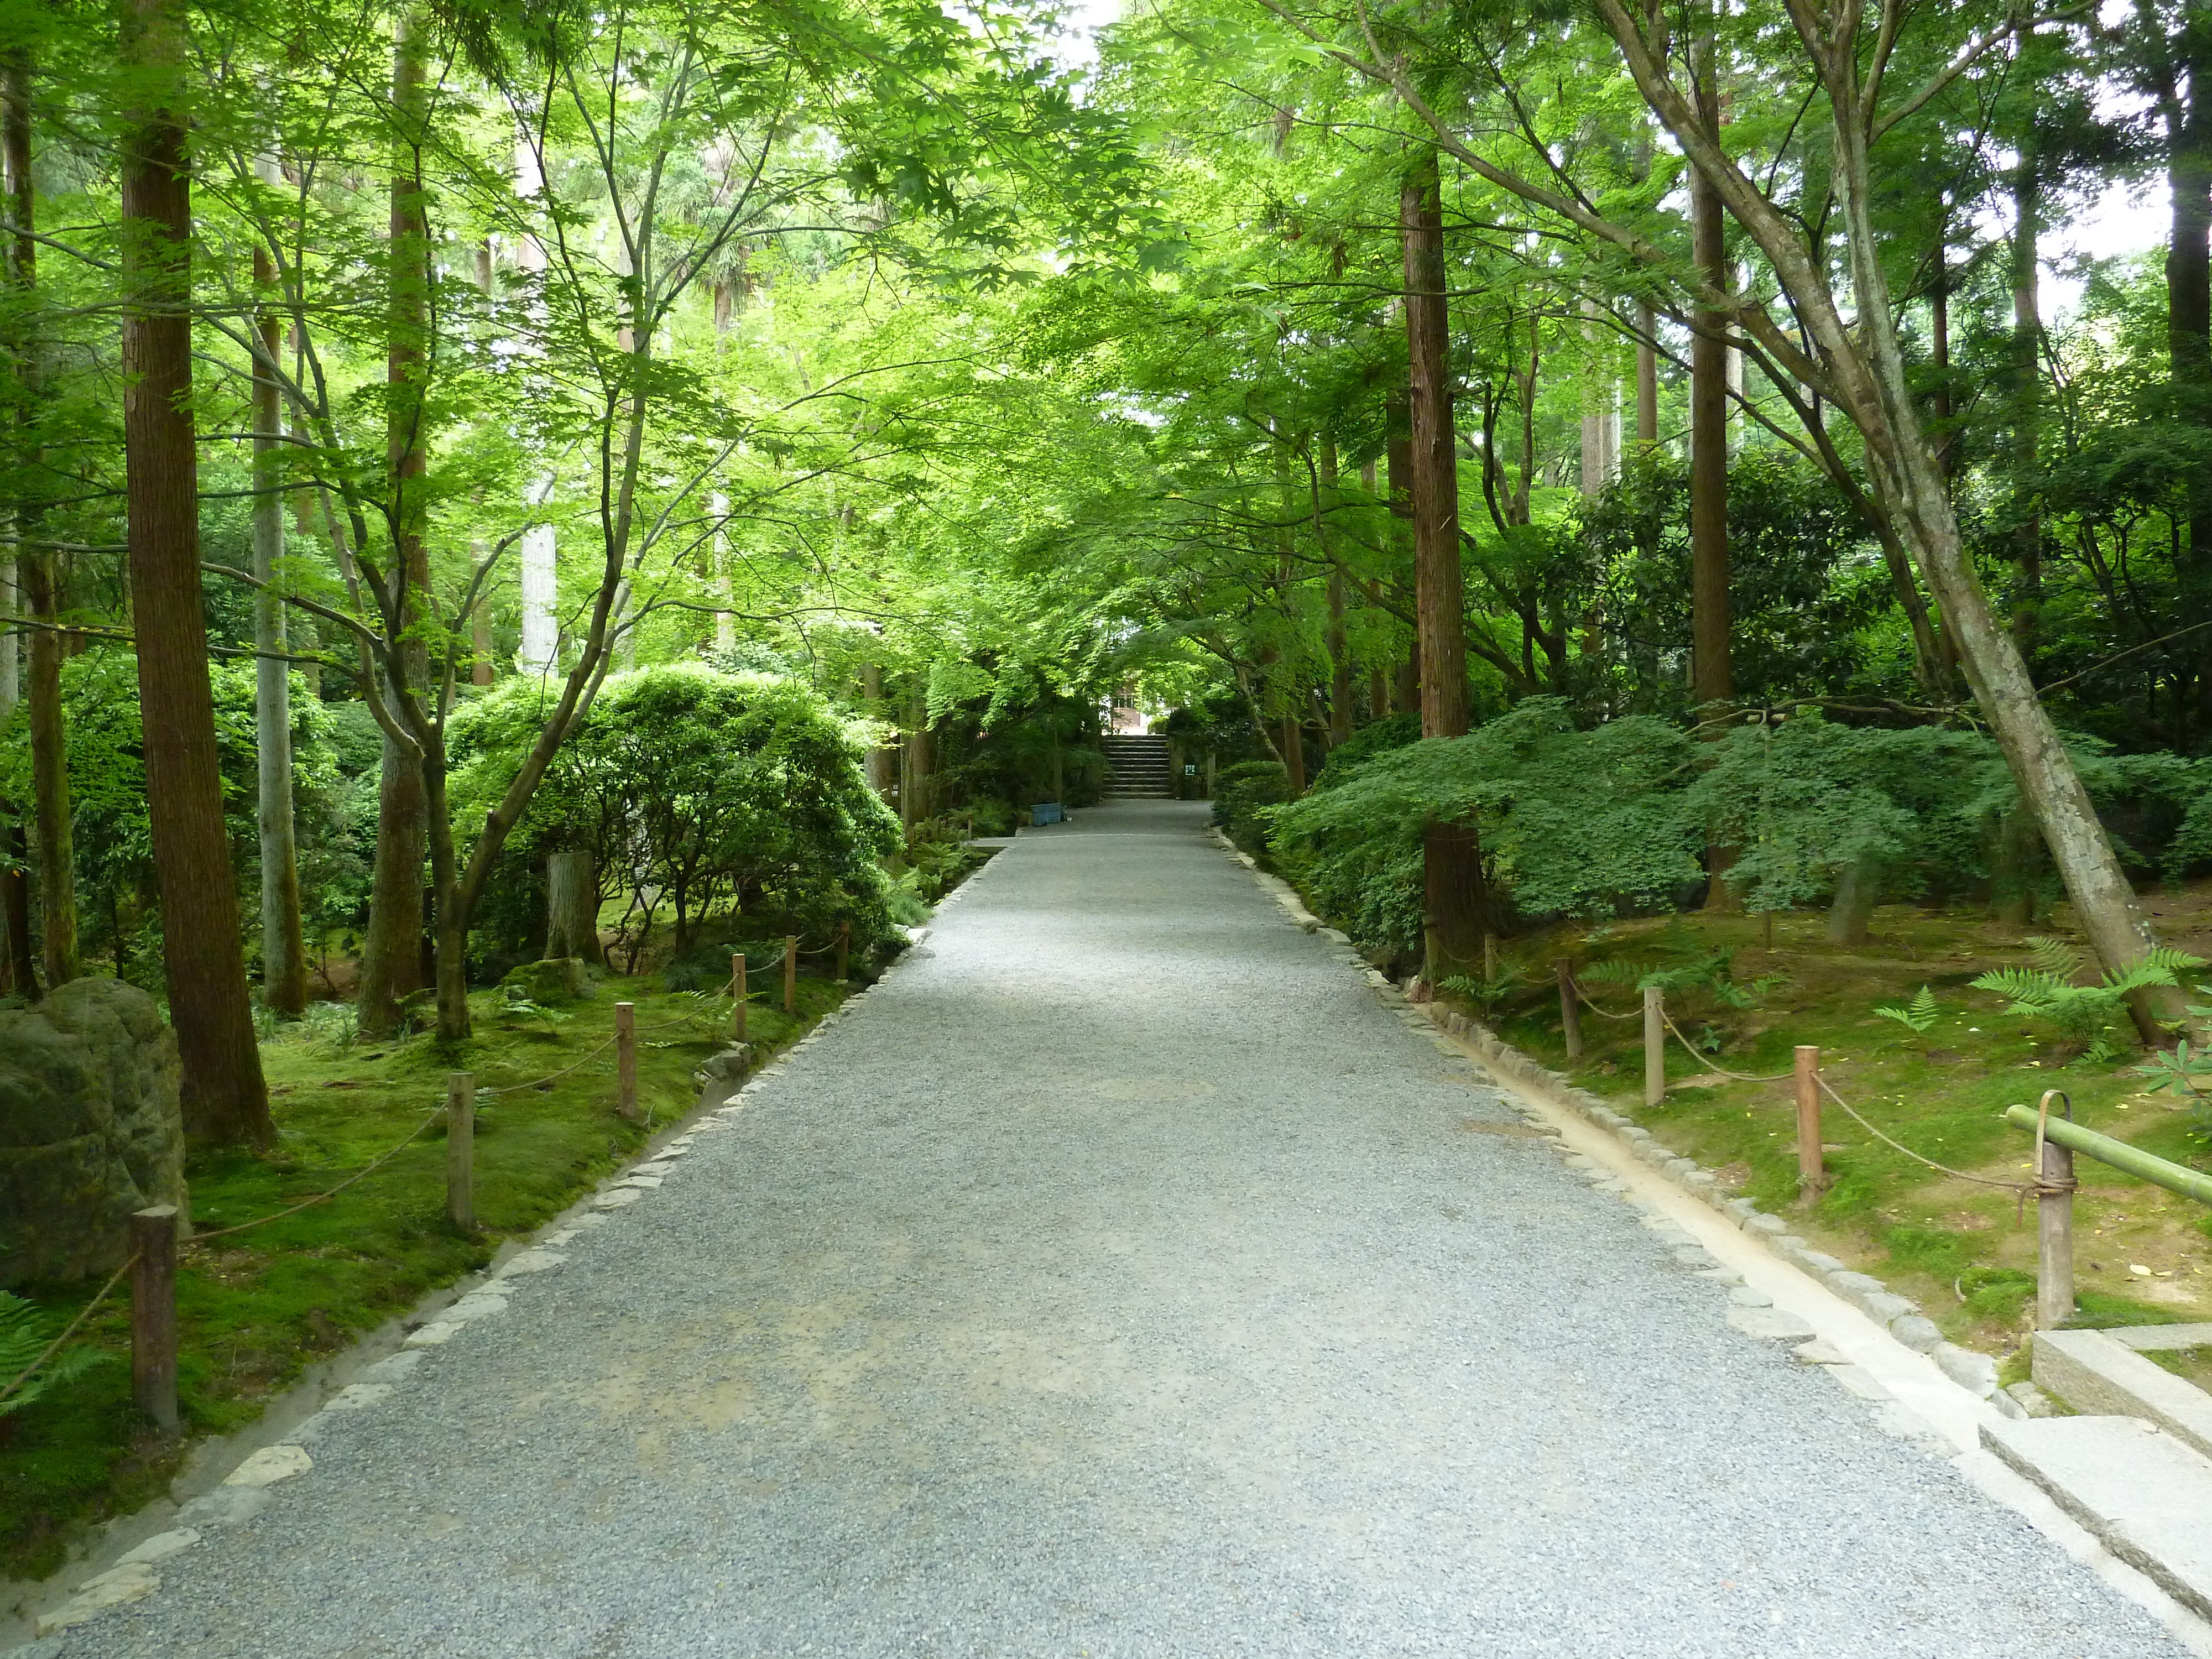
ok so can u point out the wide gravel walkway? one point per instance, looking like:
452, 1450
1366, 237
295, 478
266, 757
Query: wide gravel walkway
1120, 1277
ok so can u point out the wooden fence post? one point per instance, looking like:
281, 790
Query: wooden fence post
737, 990
2054, 1226
1655, 1045
154, 1315
461, 1150
791, 973
626, 1060
1811, 1172
844, 946
1570, 1007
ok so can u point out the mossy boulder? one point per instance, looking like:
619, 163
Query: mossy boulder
89, 1128
549, 983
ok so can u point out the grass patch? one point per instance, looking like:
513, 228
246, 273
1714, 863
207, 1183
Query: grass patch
256, 1308
1959, 1249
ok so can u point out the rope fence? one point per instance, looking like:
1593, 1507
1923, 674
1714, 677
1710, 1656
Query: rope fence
2052, 1183
154, 1230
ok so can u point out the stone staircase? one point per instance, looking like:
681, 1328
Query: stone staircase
1137, 769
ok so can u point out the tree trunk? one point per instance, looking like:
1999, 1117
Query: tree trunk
2104, 904
883, 759
914, 762
225, 1100
1294, 751
1340, 655
2027, 404
20, 252
1712, 679
1451, 853
50, 781
1647, 377
2189, 309
283, 956
572, 905
391, 952
39, 567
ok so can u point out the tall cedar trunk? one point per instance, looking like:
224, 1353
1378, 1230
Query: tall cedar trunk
39, 567
391, 952
1647, 377
572, 905
2188, 305
2026, 403
1398, 461
284, 957
224, 1097
883, 760
1454, 901
50, 783
914, 762
20, 254
1339, 656
1294, 752
1712, 679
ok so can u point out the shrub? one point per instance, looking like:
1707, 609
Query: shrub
1243, 793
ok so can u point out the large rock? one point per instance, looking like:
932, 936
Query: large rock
549, 983
89, 1128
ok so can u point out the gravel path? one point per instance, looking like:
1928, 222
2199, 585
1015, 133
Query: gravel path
1120, 1277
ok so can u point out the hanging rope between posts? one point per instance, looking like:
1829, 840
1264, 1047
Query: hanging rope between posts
75, 1325
545, 1082
363, 1173
1583, 996
1723, 1070
2021, 1190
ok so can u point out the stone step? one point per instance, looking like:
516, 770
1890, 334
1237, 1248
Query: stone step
2146, 1496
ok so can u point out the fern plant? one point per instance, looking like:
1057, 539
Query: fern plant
2084, 1014
1919, 1017
1713, 976
1492, 991
26, 1332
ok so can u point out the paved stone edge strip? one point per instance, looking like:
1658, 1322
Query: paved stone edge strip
1899, 1314
244, 1492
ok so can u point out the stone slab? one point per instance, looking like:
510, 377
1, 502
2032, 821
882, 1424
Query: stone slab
1774, 1324
2093, 1373
2146, 1496
268, 1465
2156, 1339
111, 1588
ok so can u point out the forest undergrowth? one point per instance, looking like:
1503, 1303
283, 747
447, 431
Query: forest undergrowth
1965, 1252
258, 1308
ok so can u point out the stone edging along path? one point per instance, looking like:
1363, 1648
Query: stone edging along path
1901, 1315
244, 1491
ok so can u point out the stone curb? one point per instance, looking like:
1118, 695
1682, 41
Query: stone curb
244, 1491
1974, 1371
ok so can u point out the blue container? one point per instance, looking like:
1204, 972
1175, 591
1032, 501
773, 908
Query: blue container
1047, 812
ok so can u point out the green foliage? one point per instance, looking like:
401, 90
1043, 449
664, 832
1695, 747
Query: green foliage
1572, 823
26, 1332
1919, 1017
1711, 974
1242, 795
2084, 1014
698, 793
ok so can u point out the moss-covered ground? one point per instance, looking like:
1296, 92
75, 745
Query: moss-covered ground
1963, 1250
257, 1307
